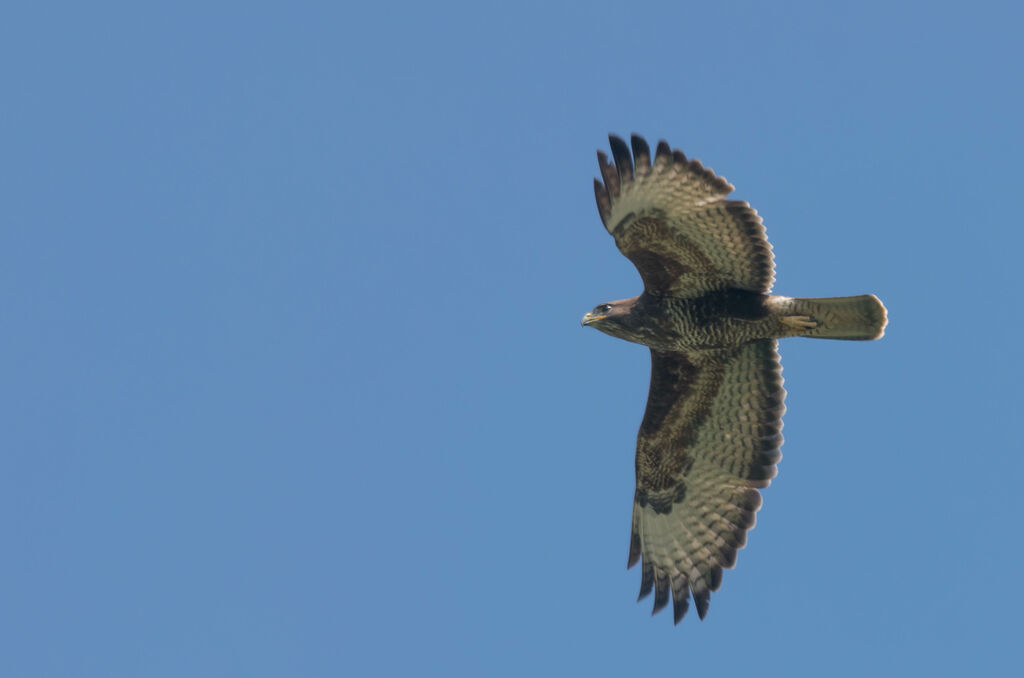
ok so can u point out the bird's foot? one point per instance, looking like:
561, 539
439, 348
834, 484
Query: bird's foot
799, 322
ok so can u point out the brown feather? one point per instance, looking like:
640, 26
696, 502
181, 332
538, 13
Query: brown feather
689, 485
711, 433
662, 156
608, 173
623, 161
604, 203
676, 227
641, 155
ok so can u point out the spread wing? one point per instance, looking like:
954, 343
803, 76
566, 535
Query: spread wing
709, 439
671, 219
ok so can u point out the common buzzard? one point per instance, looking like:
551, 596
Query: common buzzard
710, 436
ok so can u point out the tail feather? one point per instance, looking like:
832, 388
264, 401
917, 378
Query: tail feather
858, 318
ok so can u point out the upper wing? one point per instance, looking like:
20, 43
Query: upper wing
709, 439
672, 221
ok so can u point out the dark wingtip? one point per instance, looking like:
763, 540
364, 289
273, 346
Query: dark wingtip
604, 203
641, 154
608, 173
646, 581
660, 591
634, 550
660, 599
680, 598
679, 609
716, 578
702, 600
623, 160
663, 154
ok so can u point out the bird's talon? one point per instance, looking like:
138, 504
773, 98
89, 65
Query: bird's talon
799, 322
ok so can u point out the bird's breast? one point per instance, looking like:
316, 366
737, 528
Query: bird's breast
713, 320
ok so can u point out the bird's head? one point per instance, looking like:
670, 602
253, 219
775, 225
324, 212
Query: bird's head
608, 316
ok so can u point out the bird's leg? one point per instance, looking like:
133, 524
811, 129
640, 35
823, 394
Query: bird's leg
799, 323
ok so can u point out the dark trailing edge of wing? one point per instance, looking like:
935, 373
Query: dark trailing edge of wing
717, 182
747, 215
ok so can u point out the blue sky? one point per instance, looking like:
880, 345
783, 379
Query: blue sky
293, 377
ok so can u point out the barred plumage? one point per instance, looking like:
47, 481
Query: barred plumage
711, 433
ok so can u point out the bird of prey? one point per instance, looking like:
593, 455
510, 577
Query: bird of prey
710, 435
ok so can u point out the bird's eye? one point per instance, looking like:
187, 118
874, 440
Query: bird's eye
604, 308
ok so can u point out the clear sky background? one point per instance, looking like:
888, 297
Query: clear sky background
293, 382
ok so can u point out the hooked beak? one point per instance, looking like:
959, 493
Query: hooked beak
591, 318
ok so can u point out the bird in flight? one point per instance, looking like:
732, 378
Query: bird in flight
711, 433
